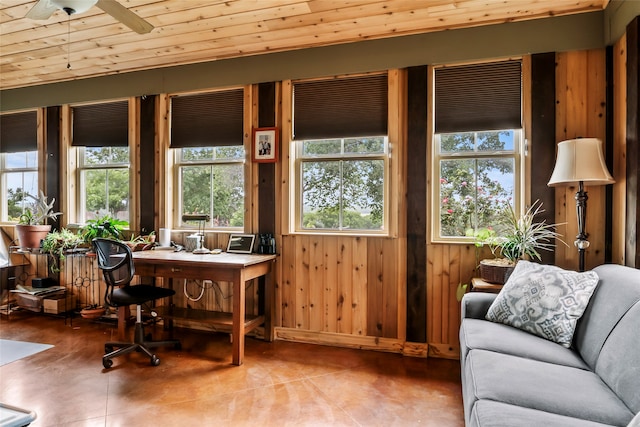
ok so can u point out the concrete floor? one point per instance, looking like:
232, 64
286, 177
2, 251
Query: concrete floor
280, 383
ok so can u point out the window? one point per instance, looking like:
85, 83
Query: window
342, 183
207, 133
341, 154
104, 182
211, 180
477, 147
101, 133
18, 163
19, 177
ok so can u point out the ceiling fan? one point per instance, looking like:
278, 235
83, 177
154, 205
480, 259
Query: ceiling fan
43, 9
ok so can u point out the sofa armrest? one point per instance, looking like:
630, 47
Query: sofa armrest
476, 304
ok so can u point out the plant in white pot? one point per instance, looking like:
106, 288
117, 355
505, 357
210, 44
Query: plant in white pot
32, 227
518, 237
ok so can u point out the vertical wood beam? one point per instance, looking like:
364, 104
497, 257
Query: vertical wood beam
52, 162
543, 136
417, 204
147, 169
266, 181
632, 249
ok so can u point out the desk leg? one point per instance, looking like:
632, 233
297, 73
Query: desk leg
238, 318
123, 316
269, 309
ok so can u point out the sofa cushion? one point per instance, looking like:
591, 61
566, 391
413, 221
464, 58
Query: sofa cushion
619, 361
480, 334
544, 300
617, 292
547, 387
488, 413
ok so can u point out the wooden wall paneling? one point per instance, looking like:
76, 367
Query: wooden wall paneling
303, 276
330, 284
316, 287
451, 303
580, 114
417, 204
359, 286
135, 162
619, 151
543, 136
632, 234
393, 287
375, 289
344, 285
287, 288
596, 125
434, 293
444, 285
68, 165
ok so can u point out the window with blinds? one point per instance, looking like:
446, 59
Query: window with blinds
477, 146
18, 163
207, 131
101, 135
341, 154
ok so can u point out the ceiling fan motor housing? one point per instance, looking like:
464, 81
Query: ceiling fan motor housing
74, 6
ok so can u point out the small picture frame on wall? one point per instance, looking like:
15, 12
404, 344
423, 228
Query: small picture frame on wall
265, 145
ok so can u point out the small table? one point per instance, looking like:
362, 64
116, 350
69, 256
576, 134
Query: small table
480, 285
225, 267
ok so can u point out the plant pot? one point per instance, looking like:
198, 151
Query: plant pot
92, 313
496, 270
30, 236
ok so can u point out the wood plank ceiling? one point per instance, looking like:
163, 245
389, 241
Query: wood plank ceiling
191, 31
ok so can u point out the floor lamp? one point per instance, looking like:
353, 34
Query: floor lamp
580, 161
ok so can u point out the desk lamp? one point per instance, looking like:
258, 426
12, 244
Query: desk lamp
201, 219
580, 161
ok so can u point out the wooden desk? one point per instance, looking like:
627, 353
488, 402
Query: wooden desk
235, 268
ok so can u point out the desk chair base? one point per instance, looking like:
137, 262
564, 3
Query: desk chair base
139, 344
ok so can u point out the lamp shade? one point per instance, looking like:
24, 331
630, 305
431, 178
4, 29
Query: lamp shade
580, 160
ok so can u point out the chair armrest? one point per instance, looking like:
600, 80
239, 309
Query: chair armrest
476, 304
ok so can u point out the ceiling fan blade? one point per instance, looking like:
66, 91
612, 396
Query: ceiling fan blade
43, 9
125, 16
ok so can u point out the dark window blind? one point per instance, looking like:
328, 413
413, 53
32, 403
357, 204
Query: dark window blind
208, 119
346, 107
19, 132
478, 97
101, 125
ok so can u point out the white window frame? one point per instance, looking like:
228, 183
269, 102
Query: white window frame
4, 171
83, 167
300, 158
179, 164
437, 157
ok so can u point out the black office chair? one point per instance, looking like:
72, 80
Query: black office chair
116, 262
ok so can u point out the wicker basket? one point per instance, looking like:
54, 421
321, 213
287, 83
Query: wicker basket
493, 272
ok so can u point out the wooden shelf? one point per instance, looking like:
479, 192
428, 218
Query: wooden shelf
222, 321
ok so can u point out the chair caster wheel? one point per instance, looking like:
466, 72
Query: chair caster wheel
178, 346
107, 363
155, 361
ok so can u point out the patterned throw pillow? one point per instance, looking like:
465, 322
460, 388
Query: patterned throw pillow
544, 300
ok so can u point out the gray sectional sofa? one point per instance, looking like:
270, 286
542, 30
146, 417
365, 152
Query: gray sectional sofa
513, 378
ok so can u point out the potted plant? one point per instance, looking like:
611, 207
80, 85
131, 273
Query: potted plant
32, 227
515, 239
106, 227
56, 243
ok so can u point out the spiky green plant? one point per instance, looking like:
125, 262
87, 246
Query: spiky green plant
524, 237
